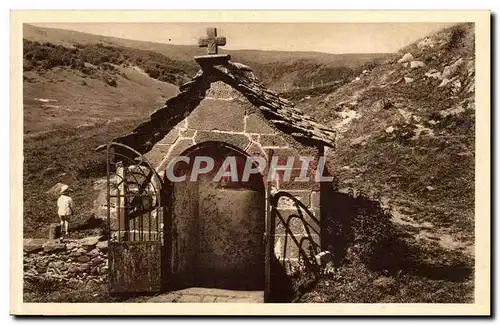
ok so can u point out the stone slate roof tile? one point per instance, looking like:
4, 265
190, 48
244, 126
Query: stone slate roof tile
277, 110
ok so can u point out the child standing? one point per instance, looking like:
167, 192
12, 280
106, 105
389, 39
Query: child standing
65, 209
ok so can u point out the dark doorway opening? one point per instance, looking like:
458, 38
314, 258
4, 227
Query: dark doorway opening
217, 226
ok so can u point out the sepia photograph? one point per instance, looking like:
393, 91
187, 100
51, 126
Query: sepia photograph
262, 163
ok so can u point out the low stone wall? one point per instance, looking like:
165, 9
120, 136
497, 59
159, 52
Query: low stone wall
75, 261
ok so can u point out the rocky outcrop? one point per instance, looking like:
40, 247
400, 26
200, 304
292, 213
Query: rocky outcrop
409, 80
79, 261
406, 58
416, 64
450, 70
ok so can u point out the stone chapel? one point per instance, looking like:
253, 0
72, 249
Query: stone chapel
223, 234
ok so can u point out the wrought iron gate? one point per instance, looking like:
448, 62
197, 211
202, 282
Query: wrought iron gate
135, 219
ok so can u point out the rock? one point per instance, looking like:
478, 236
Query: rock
416, 64
40, 269
83, 259
406, 58
450, 70
390, 129
56, 189
426, 42
323, 258
97, 260
456, 86
30, 248
103, 246
94, 252
405, 114
71, 246
471, 68
32, 245
471, 87
50, 247
433, 73
386, 284
42, 263
409, 80
427, 225
359, 141
444, 82
31, 272
100, 184
58, 264
72, 269
89, 242
430, 188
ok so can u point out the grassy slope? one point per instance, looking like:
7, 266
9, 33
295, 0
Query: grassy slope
426, 181
61, 135
388, 167
275, 68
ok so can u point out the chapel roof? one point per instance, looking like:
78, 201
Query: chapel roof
275, 109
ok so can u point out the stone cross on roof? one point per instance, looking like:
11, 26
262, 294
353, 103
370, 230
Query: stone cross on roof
211, 42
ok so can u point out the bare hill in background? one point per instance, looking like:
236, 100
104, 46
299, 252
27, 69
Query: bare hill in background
278, 69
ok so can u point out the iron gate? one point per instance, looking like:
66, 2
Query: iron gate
135, 220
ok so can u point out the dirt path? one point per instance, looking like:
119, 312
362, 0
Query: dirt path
210, 296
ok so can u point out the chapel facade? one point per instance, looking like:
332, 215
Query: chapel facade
227, 233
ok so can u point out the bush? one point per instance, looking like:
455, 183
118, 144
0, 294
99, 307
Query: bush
41, 285
47, 56
93, 168
456, 38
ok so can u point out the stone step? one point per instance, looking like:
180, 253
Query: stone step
210, 295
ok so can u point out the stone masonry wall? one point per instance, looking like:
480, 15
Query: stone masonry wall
224, 115
74, 261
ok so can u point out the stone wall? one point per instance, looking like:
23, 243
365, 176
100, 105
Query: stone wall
224, 115
74, 261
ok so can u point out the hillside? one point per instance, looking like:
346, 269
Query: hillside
67, 113
278, 69
402, 123
406, 140
86, 87
403, 162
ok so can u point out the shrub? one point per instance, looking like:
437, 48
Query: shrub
456, 38
41, 285
47, 56
92, 168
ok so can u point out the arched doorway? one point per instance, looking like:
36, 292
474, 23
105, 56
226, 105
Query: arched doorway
217, 226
